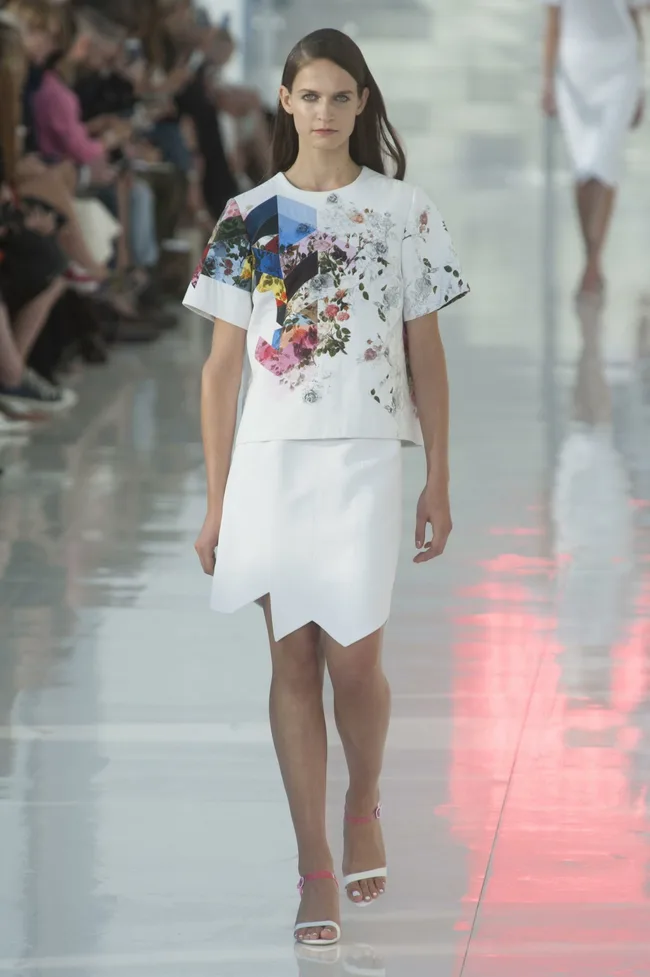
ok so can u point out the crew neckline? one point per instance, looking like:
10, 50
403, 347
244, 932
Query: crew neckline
324, 194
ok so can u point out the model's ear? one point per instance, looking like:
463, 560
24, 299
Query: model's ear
285, 100
365, 95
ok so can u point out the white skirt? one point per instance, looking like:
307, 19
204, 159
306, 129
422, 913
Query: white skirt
596, 104
317, 525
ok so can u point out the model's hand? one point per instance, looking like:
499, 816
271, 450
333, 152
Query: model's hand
639, 114
549, 102
433, 509
207, 542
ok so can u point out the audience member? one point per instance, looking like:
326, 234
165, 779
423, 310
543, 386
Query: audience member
116, 128
31, 261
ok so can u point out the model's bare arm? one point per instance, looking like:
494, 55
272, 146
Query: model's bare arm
221, 380
551, 49
429, 368
638, 23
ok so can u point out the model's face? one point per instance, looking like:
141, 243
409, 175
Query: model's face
325, 104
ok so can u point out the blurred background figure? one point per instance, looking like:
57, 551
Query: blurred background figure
593, 519
593, 76
120, 142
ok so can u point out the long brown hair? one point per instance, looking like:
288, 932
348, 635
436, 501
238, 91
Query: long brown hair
12, 75
374, 140
36, 14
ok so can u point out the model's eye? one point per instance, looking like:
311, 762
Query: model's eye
309, 97
342, 98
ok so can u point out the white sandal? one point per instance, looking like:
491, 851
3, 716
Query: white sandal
375, 873
323, 924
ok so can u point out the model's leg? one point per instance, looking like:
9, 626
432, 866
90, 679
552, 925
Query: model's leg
604, 197
300, 738
583, 204
598, 205
362, 710
29, 322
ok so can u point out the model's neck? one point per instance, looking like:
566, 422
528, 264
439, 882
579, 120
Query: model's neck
323, 171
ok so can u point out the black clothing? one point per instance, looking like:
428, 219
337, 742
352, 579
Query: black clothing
219, 184
100, 94
32, 85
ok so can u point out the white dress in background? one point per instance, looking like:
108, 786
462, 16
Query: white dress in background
599, 83
322, 283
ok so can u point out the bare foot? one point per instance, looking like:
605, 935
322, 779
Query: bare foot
320, 900
363, 851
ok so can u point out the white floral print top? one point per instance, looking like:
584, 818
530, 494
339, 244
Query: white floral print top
324, 283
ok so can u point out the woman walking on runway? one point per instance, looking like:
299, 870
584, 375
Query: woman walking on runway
329, 276
593, 78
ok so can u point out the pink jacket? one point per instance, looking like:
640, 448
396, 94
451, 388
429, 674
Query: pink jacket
57, 119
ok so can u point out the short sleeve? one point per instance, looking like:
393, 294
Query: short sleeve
222, 285
430, 266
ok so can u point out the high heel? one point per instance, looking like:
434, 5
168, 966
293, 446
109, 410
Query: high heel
323, 924
376, 873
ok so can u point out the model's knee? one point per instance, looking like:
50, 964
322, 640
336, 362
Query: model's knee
351, 675
298, 666
298, 675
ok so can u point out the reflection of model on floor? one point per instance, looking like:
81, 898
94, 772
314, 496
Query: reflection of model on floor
580, 783
643, 349
593, 525
593, 81
354, 961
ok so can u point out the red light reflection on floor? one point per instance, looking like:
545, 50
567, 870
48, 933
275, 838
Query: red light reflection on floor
569, 885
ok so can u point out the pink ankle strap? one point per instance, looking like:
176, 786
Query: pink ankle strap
313, 877
375, 816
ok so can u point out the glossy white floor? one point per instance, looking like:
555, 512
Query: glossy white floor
143, 827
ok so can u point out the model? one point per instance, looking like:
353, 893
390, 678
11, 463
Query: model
330, 276
593, 77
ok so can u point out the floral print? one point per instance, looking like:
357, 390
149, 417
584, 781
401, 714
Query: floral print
436, 283
329, 281
227, 256
385, 392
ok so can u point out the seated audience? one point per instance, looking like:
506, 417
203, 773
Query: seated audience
116, 128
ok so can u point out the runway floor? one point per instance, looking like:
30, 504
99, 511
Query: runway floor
143, 824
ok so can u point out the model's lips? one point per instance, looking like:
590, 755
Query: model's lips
325, 132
